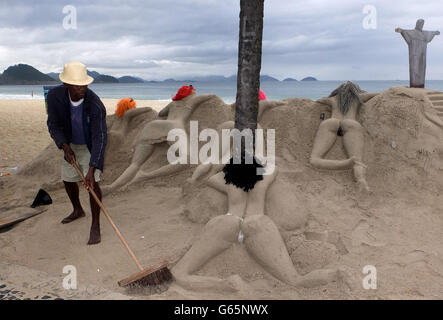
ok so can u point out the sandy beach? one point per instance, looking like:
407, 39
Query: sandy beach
24, 131
323, 220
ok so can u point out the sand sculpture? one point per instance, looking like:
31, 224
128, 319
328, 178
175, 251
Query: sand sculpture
211, 169
417, 41
322, 219
245, 222
344, 102
177, 113
120, 127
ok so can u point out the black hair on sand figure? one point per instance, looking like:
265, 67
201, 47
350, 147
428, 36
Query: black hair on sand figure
242, 175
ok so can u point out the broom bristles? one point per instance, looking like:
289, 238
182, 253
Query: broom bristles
149, 277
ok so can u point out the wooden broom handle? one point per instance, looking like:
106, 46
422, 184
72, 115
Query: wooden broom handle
109, 218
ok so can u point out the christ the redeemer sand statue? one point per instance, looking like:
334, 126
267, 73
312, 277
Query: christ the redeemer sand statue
417, 41
246, 223
344, 102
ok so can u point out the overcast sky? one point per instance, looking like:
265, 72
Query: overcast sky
180, 39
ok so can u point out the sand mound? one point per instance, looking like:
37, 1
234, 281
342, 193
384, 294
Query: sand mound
322, 218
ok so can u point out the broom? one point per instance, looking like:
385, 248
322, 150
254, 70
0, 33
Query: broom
153, 275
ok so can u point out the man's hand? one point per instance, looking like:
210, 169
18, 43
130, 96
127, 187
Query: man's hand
398, 30
90, 179
69, 154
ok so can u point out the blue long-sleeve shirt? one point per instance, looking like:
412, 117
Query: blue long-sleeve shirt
94, 122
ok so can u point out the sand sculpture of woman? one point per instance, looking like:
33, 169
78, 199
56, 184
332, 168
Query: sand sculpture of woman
226, 150
125, 112
156, 131
344, 102
246, 223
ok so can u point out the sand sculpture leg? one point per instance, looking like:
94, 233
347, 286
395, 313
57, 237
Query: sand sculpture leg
218, 235
142, 152
162, 171
353, 140
264, 242
324, 140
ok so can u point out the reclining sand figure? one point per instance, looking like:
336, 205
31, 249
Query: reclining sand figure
246, 223
119, 128
177, 113
156, 131
344, 102
205, 168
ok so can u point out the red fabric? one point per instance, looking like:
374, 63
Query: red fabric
261, 95
183, 92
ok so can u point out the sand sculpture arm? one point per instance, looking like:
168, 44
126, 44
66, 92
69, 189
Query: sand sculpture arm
269, 179
203, 169
368, 96
135, 112
265, 105
217, 182
199, 99
326, 101
164, 112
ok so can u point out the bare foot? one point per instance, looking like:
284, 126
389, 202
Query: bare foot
94, 236
74, 216
317, 278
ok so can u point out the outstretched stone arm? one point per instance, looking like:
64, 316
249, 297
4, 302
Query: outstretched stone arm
431, 34
368, 96
404, 34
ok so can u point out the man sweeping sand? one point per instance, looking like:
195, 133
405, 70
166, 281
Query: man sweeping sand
77, 124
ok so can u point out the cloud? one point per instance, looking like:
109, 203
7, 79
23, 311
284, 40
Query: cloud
163, 39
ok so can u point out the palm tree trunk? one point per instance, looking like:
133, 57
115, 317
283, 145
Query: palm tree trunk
249, 65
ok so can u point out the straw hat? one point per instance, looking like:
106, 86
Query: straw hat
75, 73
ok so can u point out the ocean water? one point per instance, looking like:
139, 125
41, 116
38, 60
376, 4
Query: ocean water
225, 90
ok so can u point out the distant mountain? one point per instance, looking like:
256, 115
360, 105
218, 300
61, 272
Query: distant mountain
53, 75
265, 78
103, 78
211, 78
93, 74
289, 80
129, 79
309, 79
24, 74
174, 80
216, 78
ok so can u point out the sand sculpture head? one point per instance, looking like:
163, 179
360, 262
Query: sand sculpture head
347, 93
419, 25
124, 105
183, 92
243, 175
